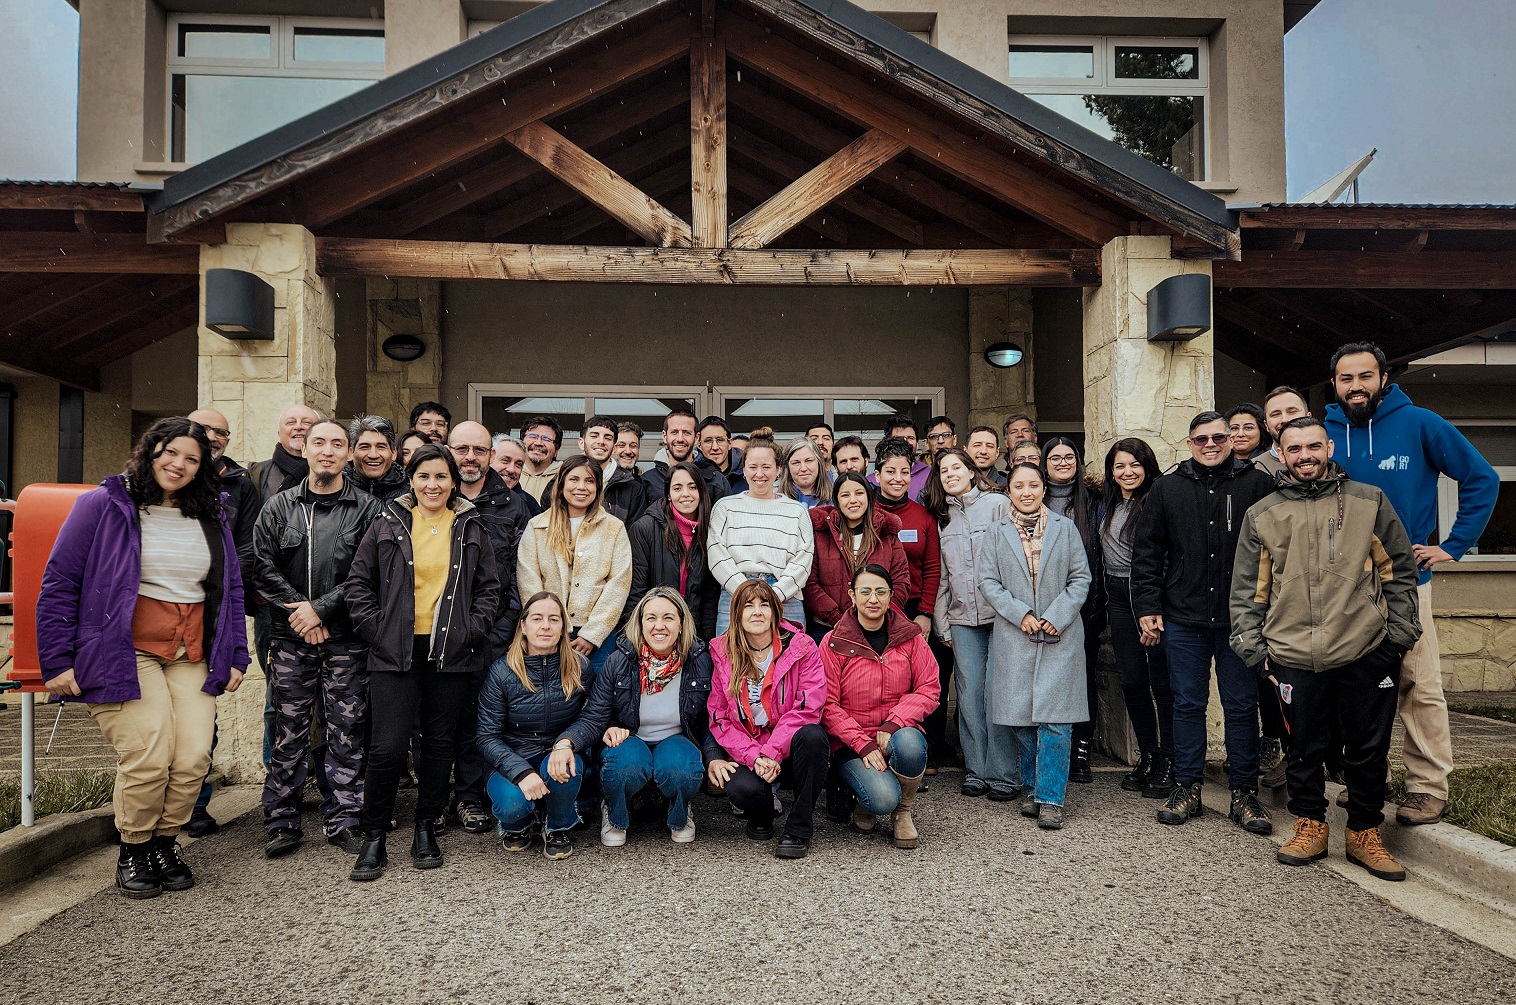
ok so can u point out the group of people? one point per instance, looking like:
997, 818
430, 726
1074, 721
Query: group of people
553, 640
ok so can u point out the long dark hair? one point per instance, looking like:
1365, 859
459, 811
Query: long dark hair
935, 497
434, 452
1085, 489
1111, 497
201, 498
868, 533
672, 539
560, 532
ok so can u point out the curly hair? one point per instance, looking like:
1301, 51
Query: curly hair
201, 498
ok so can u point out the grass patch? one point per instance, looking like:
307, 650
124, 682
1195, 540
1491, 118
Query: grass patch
63, 793
1481, 799
1502, 712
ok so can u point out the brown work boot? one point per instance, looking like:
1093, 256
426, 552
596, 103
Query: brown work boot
905, 835
1421, 808
1366, 849
863, 820
1308, 843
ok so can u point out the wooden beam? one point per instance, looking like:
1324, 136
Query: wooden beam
658, 185
69, 197
72, 251
815, 189
152, 298
337, 256
754, 188
47, 364
59, 293
1496, 315
580, 170
119, 344
1367, 217
708, 208
1276, 330
1310, 307
1431, 270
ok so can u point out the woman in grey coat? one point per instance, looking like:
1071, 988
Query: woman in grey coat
1034, 574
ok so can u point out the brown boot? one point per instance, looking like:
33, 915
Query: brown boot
1308, 843
863, 820
1421, 808
905, 827
1367, 850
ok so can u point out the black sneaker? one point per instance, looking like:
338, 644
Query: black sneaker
556, 845
474, 819
790, 846
1004, 793
1183, 803
201, 823
282, 841
348, 839
1137, 779
173, 874
974, 787
515, 841
1161, 782
1248, 813
136, 876
759, 832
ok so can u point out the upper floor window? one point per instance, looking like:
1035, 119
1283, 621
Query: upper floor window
231, 79
1147, 94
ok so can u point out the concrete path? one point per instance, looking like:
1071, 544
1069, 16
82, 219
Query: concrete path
1114, 908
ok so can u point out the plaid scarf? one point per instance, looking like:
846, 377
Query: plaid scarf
656, 670
1029, 526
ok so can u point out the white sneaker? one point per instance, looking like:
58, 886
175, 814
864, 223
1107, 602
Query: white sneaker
685, 834
610, 835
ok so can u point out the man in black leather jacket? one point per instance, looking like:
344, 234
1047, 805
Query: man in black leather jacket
303, 544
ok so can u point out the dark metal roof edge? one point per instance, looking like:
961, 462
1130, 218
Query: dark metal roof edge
122, 186
225, 167
1003, 97
1352, 207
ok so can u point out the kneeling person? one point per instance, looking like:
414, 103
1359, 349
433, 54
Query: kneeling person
1324, 601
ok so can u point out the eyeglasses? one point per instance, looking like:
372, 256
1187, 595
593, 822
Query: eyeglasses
714, 440
939, 436
1062, 459
1216, 438
878, 591
539, 437
468, 451
217, 430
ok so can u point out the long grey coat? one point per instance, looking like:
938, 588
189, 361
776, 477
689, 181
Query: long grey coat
1031, 682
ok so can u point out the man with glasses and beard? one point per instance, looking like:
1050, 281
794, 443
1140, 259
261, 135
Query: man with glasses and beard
542, 436
1379, 437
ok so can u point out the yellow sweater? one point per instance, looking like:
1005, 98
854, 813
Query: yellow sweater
432, 543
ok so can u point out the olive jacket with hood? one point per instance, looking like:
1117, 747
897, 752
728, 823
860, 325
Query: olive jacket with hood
1324, 574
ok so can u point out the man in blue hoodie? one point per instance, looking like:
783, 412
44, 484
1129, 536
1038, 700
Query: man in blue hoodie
1384, 440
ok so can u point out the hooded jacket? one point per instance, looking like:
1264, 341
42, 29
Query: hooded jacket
303, 551
657, 478
867, 692
1186, 538
384, 488
796, 687
1401, 450
380, 590
593, 584
826, 591
960, 601
89, 591
1324, 574
518, 726
616, 698
654, 565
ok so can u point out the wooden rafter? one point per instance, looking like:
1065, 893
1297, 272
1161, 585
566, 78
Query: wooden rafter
145, 301
1313, 309
76, 252
1366, 217
1278, 331
58, 293
1429, 270
69, 197
753, 187
706, 266
708, 138
175, 316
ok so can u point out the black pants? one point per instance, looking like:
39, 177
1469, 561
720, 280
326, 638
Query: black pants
1270, 718
1092, 629
1361, 697
470, 769
935, 727
810, 751
394, 701
1144, 674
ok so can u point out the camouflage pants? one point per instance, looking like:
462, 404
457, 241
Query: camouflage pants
337, 674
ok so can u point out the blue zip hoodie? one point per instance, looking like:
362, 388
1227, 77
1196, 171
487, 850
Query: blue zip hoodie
1402, 450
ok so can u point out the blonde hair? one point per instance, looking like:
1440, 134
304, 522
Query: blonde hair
686, 620
560, 528
743, 657
568, 657
822, 490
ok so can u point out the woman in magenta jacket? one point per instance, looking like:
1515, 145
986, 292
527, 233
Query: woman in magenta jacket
850, 534
881, 684
767, 690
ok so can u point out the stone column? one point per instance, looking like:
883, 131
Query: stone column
251, 383
1133, 387
405, 307
999, 314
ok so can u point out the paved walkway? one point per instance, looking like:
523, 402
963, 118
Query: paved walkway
1116, 907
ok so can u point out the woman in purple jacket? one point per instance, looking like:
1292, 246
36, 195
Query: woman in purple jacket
140, 617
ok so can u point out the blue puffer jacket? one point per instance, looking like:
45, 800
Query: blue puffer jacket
518, 727
616, 699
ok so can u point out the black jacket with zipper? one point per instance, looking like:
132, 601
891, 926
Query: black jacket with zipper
381, 592
242, 504
654, 565
657, 478
616, 698
624, 496
1186, 541
505, 512
303, 551
518, 726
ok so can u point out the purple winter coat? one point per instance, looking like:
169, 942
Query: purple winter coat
89, 591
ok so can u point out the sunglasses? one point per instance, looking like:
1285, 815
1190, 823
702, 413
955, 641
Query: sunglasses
1216, 438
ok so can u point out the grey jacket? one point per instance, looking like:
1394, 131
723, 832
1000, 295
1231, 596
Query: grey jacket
1031, 682
959, 599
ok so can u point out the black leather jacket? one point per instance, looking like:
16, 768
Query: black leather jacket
303, 550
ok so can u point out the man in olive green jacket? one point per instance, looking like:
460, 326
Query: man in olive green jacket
1324, 605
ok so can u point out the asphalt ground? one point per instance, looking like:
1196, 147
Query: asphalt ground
1115, 907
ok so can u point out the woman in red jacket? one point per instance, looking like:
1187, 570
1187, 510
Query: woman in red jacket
850, 535
881, 683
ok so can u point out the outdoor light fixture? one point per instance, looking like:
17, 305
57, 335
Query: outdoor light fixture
403, 348
238, 305
1179, 308
1002, 355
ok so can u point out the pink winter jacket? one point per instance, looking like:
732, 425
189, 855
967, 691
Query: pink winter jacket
798, 692
867, 693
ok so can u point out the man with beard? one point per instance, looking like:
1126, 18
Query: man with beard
1384, 440
1280, 405
374, 468
505, 513
718, 446
303, 544
432, 420
822, 434
287, 467
624, 495
678, 447
510, 459
542, 436
628, 450
1324, 590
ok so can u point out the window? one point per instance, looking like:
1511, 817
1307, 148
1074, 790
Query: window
1147, 94
1496, 441
789, 411
231, 79
504, 407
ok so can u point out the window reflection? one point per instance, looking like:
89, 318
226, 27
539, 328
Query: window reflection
1166, 129
212, 114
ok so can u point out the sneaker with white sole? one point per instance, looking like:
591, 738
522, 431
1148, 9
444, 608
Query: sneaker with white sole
685, 834
610, 835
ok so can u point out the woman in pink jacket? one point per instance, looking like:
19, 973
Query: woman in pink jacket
881, 684
766, 696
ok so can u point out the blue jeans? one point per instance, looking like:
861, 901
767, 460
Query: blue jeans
794, 612
673, 764
879, 791
1190, 651
515, 812
1045, 759
597, 659
989, 749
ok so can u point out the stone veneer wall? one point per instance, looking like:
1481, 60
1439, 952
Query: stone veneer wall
1478, 651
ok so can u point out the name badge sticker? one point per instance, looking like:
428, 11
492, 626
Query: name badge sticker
908, 537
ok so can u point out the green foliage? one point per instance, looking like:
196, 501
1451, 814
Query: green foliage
62, 793
1505, 713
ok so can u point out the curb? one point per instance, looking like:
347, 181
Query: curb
27, 852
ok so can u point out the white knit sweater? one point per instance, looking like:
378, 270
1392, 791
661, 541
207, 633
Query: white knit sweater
760, 537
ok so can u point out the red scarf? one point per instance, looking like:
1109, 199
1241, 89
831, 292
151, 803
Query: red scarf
656, 670
686, 528
765, 693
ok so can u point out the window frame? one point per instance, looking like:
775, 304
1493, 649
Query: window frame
1447, 492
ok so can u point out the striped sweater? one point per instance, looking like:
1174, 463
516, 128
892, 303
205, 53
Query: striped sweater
760, 537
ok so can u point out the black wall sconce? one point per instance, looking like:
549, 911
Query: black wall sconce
1003, 355
403, 348
1179, 308
238, 305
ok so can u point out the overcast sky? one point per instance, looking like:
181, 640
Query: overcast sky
1429, 82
